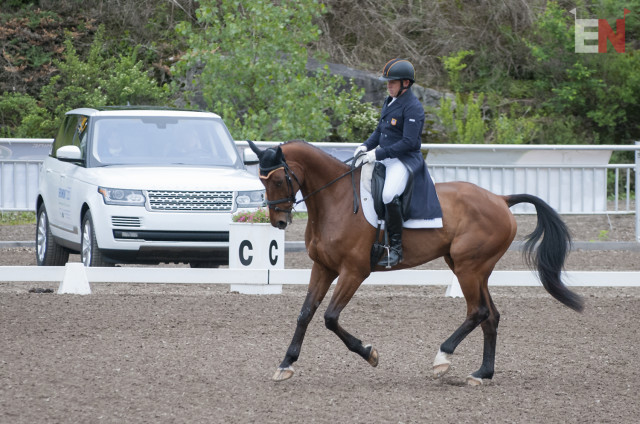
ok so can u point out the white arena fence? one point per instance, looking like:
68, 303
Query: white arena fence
75, 278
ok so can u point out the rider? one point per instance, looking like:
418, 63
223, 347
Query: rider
396, 143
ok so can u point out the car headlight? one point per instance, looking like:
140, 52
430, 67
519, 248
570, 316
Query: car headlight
122, 197
250, 199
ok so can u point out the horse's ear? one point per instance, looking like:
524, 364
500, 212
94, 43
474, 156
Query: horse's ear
255, 148
279, 156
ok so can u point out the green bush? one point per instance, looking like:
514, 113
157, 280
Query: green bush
462, 119
513, 131
21, 116
359, 123
453, 65
469, 119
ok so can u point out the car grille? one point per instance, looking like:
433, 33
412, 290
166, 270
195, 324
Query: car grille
125, 221
217, 201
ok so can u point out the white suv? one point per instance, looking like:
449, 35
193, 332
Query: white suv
124, 185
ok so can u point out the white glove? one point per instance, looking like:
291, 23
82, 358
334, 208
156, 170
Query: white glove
360, 149
370, 157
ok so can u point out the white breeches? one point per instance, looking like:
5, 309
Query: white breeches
396, 179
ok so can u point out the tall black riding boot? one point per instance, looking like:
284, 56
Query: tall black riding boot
393, 224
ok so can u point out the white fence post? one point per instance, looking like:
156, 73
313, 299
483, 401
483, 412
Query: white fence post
454, 289
637, 192
75, 280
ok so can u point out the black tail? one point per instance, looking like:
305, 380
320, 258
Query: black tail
546, 249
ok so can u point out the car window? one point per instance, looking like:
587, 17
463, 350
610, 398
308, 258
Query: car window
73, 131
80, 135
162, 141
65, 133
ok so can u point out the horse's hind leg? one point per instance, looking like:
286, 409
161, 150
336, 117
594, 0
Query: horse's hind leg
490, 330
344, 291
479, 309
319, 284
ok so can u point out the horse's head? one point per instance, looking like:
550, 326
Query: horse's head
280, 182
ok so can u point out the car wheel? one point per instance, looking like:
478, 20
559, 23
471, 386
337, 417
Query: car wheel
48, 252
90, 253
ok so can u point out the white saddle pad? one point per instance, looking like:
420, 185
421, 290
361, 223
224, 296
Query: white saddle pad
370, 212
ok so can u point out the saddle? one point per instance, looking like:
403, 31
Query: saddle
377, 184
378, 177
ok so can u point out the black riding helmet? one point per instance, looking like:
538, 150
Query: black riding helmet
399, 69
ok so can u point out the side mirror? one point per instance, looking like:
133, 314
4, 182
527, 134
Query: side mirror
69, 154
250, 158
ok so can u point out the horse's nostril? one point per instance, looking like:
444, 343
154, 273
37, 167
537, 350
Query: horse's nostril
282, 224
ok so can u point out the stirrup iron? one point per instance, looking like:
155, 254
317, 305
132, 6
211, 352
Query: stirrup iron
388, 249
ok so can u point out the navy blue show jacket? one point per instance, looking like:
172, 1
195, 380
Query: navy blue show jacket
398, 136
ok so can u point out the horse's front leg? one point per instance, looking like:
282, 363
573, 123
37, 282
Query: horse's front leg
347, 285
319, 283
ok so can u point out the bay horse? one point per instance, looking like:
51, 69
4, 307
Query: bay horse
478, 228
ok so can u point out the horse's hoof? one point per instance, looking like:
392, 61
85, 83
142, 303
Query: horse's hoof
441, 364
473, 381
440, 370
283, 374
373, 356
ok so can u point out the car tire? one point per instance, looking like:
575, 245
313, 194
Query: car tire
48, 252
90, 254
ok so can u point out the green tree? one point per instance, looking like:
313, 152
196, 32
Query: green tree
252, 58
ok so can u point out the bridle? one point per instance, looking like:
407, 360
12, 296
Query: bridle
291, 198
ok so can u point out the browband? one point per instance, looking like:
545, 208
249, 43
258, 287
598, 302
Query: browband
264, 177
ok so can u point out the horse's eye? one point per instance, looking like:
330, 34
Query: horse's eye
279, 183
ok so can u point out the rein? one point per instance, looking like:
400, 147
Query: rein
287, 171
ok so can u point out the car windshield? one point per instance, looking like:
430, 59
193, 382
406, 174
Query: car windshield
162, 141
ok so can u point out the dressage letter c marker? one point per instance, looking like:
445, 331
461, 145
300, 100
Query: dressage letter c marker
245, 261
273, 246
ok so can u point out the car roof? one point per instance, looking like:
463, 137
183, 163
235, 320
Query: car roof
141, 111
